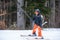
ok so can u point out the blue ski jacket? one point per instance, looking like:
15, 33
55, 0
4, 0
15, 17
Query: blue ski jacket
37, 20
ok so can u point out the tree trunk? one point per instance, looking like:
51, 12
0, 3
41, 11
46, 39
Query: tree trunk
20, 15
52, 16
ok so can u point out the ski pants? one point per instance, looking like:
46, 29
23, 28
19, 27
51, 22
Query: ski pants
39, 30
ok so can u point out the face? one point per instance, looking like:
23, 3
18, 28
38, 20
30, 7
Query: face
36, 13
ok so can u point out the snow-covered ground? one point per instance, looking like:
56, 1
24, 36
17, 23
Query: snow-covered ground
48, 33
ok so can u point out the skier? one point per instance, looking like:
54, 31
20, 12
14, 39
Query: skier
37, 24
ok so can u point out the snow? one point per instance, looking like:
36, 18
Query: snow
48, 33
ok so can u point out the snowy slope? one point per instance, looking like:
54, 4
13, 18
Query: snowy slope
52, 34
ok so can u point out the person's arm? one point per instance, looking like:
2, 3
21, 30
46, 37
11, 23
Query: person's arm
33, 17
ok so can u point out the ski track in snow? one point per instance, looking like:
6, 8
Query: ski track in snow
48, 33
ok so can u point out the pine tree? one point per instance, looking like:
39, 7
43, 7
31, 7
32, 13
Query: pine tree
34, 4
31, 5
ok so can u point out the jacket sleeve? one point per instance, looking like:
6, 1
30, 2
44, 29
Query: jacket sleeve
40, 21
33, 17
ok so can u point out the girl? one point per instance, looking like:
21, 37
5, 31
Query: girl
37, 23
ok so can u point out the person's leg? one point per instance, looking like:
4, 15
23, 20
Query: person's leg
39, 31
34, 29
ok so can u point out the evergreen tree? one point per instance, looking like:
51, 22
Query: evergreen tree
31, 5
34, 4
